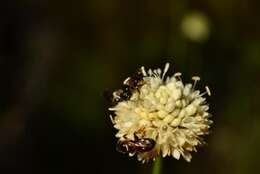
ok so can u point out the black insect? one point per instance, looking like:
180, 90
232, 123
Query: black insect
135, 82
139, 145
130, 85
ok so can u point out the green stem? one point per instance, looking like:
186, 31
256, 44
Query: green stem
157, 166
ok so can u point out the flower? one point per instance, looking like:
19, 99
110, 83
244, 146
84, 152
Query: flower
173, 114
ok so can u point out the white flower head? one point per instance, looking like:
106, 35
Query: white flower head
164, 110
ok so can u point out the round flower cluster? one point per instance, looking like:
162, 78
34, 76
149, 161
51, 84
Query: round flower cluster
163, 109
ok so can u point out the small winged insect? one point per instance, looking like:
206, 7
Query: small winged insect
139, 145
130, 85
135, 82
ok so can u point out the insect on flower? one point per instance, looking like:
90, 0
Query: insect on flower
136, 81
170, 117
138, 145
130, 85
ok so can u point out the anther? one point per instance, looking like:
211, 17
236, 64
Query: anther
178, 75
208, 91
195, 78
126, 81
150, 72
143, 71
167, 65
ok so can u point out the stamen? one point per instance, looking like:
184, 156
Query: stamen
159, 71
207, 90
155, 73
112, 109
202, 94
178, 76
167, 65
131, 154
150, 72
126, 81
143, 71
112, 119
126, 147
195, 78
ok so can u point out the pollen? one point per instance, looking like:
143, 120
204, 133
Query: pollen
173, 114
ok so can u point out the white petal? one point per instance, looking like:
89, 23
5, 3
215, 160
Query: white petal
176, 154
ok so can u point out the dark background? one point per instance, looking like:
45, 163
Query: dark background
57, 58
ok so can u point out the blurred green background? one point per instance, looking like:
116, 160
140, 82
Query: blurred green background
57, 58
